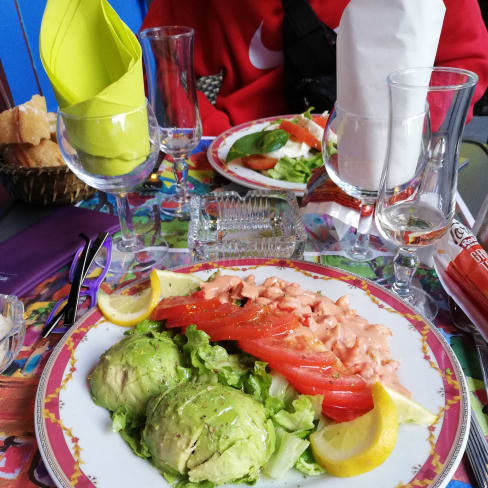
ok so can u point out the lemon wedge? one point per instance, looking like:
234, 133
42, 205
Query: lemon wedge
409, 411
128, 310
176, 284
360, 445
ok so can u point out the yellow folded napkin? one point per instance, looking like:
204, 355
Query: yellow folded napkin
94, 64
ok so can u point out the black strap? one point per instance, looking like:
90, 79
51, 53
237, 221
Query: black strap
309, 58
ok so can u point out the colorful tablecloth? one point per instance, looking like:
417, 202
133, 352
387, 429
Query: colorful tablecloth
20, 462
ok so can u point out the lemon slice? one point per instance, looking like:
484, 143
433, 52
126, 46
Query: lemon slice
360, 445
176, 284
128, 310
409, 411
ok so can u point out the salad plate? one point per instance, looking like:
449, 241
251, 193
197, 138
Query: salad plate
237, 172
79, 448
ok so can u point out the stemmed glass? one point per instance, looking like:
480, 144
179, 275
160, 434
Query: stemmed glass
416, 200
353, 150
168, 62
114, 154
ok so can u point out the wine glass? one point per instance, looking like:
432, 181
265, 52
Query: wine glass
168, 62
416, 200
353, 150
114, 154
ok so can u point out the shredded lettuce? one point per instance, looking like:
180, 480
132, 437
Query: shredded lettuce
297, 170
189, 484
258, 382
213, 361
306, 464
281, 389
121, 418
129, 428
331, 148
146, 326
300, 419
288, 450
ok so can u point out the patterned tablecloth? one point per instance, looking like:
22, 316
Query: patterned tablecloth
20, 462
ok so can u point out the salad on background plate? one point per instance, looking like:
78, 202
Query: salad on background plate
275, 152
237, 398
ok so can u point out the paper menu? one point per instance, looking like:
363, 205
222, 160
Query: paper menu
376, 37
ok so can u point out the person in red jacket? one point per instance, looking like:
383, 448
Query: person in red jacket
243, 40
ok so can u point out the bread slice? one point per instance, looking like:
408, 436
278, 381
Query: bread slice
26, 123
43, 155
52, 118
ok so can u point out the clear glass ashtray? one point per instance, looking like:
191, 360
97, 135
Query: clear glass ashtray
263, 223
12, 329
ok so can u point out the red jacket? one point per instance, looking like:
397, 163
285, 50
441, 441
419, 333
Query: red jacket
244, 40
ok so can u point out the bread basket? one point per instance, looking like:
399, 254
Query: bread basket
55, 185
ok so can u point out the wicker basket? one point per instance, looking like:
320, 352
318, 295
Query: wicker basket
44, 186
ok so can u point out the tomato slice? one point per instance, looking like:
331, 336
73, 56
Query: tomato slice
259, 162
277, 349
246, 313
265, 324
320, 120
340, 414
301, 134
202, 315
351, 399
323, 378
173, 307
346, 396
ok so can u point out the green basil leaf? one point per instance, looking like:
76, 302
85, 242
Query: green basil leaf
273, 140
257, 143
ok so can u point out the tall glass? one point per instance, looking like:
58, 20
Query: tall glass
416, 200
168, 62
353, 150
114, 154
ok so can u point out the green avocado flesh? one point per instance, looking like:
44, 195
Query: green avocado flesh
134, 370
208, 432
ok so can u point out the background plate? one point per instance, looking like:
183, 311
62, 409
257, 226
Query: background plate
217, 152
79, 448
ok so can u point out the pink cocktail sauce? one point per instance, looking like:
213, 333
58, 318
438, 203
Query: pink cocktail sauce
329, 326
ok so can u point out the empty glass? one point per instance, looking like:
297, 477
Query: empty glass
353, 150
416, 200
12, 329
168, 62
114, 154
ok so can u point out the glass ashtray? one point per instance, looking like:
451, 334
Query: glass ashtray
12, 329
263, 223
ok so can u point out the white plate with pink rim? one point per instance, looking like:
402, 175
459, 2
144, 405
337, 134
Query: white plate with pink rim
79, 448
236, 171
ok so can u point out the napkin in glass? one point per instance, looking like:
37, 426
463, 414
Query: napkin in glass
375, 38
94, 64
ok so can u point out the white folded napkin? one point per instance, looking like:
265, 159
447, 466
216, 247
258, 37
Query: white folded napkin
376, 37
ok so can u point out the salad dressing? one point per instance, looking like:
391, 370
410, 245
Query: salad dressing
361, 346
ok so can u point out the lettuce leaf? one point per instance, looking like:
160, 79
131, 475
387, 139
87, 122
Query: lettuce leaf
297, 170
258, 382
130, 429
281, 389
213, 361
289, 448
300, 420
306, 464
